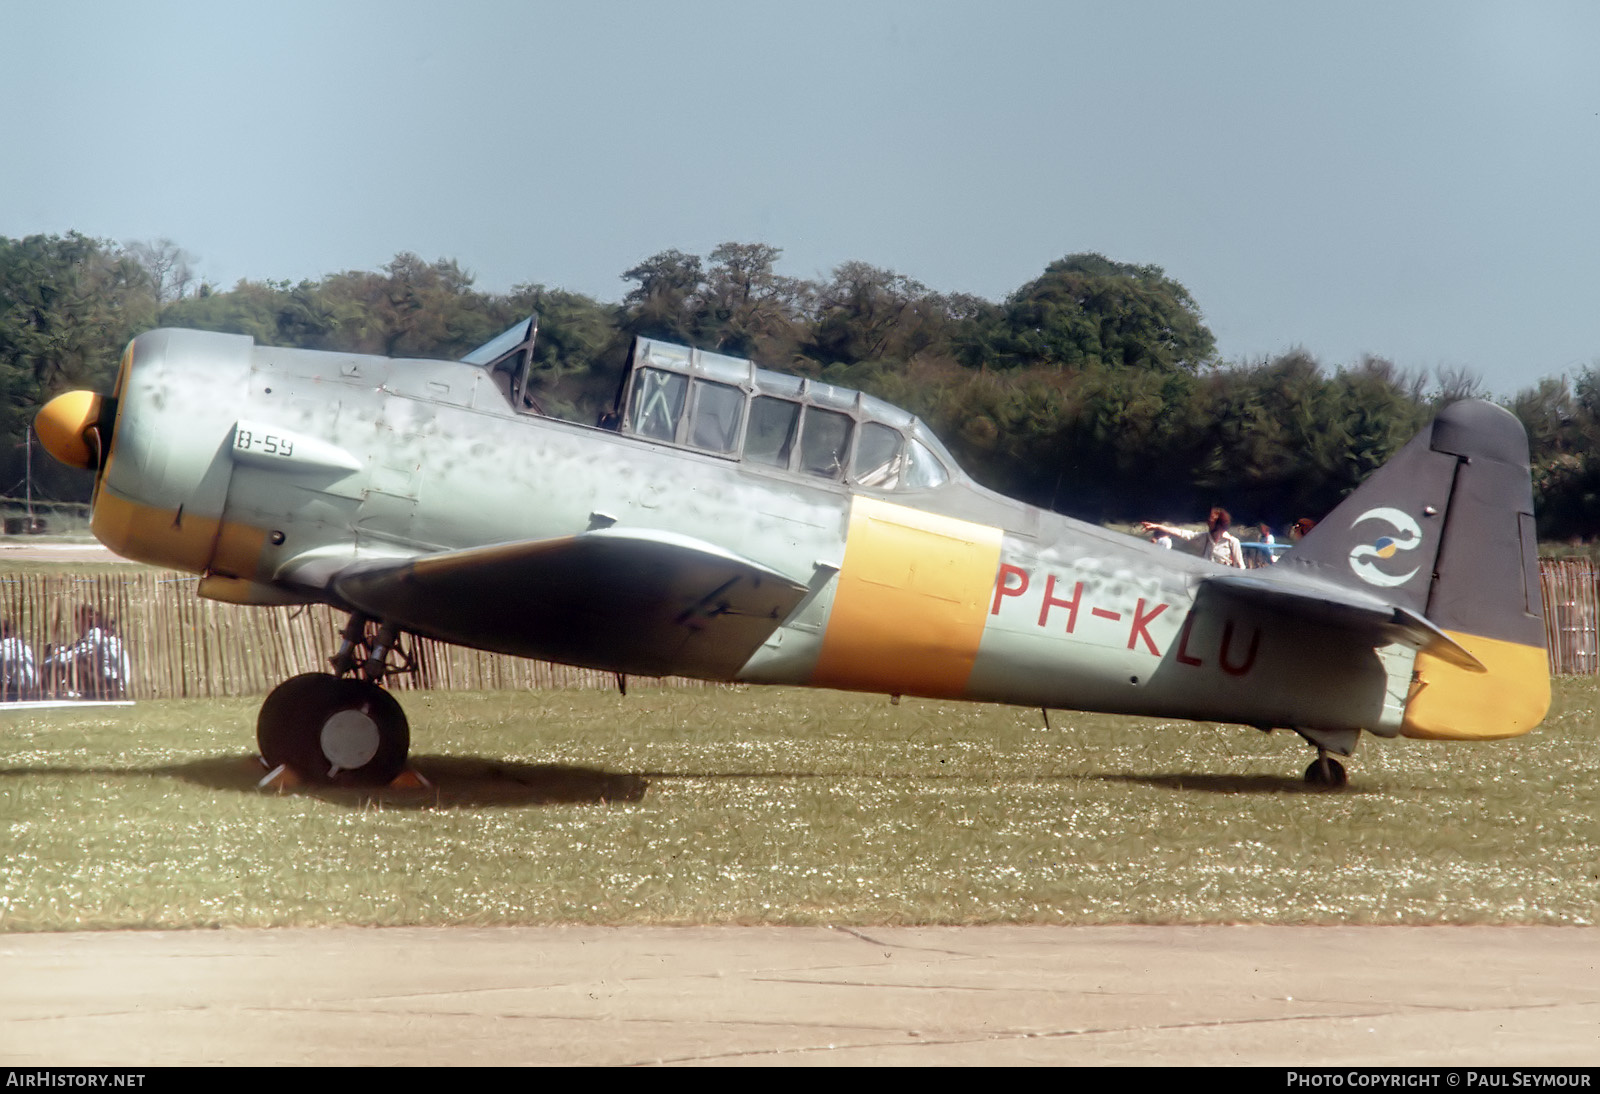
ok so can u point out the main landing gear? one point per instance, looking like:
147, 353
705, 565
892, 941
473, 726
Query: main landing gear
340, 728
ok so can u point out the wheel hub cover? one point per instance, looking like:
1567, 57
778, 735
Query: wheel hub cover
350, 739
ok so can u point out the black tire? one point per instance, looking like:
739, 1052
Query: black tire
287, 729
346, 732
1327, 773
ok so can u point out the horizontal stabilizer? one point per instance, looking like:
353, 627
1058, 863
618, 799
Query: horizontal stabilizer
653, 603
1351, 609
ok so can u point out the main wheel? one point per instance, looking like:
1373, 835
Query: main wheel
332, 730
1327, 773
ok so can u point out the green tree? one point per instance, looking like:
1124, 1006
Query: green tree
665, 298
169, 267
68, 306
250, 307
579, 354
1563, 424
745, 308
864, 313
1087, 310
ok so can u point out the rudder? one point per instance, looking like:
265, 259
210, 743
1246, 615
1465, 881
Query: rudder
1446, 529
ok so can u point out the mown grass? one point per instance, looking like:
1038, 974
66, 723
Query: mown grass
790, 807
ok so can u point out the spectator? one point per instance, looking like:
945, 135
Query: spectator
95, 666
1267, 543
17, 676
1216, 543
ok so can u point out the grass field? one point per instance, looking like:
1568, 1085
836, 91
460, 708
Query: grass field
790, 807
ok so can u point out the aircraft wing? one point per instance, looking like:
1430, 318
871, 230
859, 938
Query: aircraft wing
653, 603
1337, 606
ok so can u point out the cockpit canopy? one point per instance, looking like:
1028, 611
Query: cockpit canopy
728, 407
508, 357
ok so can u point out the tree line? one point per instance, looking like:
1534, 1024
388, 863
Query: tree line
1094, 389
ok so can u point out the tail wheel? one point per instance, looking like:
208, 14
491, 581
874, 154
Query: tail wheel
329, 730
1326, 773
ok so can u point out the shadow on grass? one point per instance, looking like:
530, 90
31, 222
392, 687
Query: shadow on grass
458, 782
475, 782
1233, 784
1203, 782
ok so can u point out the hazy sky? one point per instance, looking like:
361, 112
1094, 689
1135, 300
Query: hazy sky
1419, 181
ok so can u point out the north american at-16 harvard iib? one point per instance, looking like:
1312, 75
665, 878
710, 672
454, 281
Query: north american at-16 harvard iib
731, 523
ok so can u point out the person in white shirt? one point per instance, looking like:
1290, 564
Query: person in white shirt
1216, 542
95, 666
17, 676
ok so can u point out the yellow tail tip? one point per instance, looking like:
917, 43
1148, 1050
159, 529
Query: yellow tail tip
1451, 703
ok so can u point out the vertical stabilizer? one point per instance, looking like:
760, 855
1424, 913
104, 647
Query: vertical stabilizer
1446, 529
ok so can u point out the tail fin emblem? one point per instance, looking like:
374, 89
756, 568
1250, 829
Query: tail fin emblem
1408, 538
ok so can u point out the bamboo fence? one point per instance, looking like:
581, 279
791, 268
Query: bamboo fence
182, 646
1571, 593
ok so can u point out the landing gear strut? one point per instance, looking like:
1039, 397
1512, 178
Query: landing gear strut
341, 729
1325, 772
